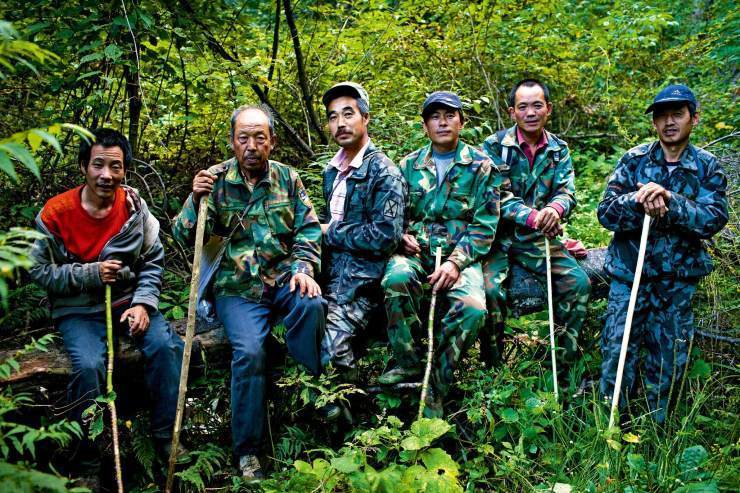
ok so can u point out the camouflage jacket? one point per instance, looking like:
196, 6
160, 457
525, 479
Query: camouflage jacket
697, 210
550, 181
279, 233
360, 245
75, 287
462, 214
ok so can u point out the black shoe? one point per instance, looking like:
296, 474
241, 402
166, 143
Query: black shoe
329, 412
163, 446
249, 465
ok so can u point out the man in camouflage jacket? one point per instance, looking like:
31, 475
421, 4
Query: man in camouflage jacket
538, 191
363, 221
267, 270
453, 203
683, 189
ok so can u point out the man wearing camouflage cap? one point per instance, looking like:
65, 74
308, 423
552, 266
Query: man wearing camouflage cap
267, 270
453, 204
363, 223
683, 189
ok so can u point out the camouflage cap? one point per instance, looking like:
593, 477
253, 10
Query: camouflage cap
344, 89
673, 94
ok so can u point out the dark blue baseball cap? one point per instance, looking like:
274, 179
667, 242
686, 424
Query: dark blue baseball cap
675, 93
441, 98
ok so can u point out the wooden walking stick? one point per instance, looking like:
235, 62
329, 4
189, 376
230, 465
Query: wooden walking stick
109, 388
430, 340
189, 333
551, 317
630, 314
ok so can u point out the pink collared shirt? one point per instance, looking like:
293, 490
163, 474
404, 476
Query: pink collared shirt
527, 149
339, 187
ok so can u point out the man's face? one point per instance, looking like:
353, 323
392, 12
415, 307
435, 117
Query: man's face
674, 123
443, 127
252, 142
530, 111
347, 125
105, 171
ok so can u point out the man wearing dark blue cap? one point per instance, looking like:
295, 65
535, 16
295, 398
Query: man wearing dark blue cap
683, 189
454, 204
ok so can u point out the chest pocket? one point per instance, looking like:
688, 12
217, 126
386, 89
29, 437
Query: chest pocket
280, 216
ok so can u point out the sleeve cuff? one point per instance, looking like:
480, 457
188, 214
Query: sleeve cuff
150, 302
530, 219
459, 259
557, 207
92, 275
301, 267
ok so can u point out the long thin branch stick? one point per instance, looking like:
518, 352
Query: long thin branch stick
628, 321
189, 333
551, 317
109, 388
430, 340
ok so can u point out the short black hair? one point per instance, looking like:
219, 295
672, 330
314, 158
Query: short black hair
105, 137
260, 107
528, 83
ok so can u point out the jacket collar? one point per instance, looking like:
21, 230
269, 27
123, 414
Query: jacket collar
687, 159
510, 140
462, 156
234, 177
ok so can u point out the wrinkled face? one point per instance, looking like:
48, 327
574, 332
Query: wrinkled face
105, 171
443, 127
530, 111
252, 142
347, 125
674, 123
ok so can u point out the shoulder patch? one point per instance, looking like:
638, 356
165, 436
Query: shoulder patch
303, 195
391, 208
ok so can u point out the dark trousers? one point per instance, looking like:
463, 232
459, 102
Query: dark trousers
247, 324
85, 340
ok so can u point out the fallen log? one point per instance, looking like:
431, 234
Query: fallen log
50, 371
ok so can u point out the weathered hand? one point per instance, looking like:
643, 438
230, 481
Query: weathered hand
109, 270
410, 245
138, 319
444, 277
554, 232
306, 285
202, 184
654, 198
547, 220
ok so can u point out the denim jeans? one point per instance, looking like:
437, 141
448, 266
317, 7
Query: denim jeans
247, 324
85, 340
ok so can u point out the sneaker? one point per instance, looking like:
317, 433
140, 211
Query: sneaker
250, 468
398, 375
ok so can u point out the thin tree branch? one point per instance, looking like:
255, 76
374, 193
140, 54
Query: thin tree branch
275, 45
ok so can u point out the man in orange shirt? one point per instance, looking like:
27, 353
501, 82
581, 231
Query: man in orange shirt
102, 233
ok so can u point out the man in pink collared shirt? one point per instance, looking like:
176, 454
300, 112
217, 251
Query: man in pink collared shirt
537, 193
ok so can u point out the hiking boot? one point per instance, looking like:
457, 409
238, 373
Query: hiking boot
398, 375
251, 469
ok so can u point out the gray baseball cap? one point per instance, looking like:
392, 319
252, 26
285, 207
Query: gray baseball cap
345, 89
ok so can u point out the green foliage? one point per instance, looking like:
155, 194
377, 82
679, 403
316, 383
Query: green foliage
208, 461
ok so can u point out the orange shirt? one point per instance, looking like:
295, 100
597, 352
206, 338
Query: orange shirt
83, 235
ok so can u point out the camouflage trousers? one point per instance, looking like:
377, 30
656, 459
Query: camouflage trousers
342, 323
456, 328
663, 323
570, 288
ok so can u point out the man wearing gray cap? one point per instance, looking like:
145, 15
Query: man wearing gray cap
454, 204
683, 189
362, 224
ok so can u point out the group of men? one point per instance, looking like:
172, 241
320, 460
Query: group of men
483, 207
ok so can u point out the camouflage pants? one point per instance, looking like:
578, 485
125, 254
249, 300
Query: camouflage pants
454, 333
664, 324
570, 287
342, 323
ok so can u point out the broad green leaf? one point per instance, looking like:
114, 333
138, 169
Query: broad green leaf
6, 166
20, 152
509, 415
113, 52
436, 459
47, 137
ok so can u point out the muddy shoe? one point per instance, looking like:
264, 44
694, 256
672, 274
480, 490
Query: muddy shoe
250, 467
329, 412
398, 375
